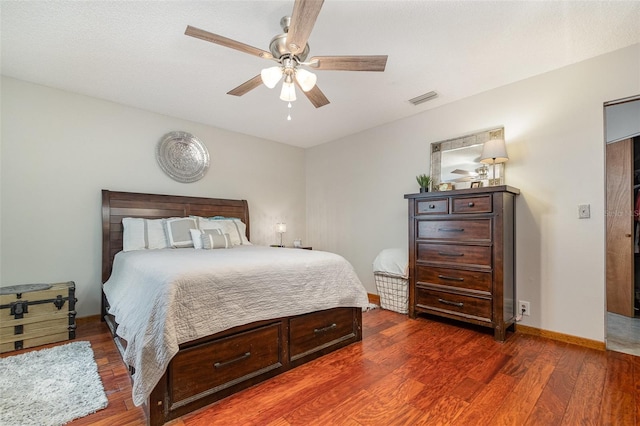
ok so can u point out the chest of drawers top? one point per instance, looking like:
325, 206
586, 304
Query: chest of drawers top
457, 202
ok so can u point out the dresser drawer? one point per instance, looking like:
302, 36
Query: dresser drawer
459, 278
225, 362
467, 230
436, 206
454, 254
313, 332
477, 204
454, 304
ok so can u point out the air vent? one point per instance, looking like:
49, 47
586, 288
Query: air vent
423, 98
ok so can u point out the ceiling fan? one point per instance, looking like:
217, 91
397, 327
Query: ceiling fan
290, 51
480, 173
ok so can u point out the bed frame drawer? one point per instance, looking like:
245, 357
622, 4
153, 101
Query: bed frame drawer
313, 332
181, 389
220, 364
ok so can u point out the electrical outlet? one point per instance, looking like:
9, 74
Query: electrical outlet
524, 307
584, 211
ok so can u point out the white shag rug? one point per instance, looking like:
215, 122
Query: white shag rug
50, 386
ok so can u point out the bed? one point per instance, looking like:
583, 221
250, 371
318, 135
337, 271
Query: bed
233, 354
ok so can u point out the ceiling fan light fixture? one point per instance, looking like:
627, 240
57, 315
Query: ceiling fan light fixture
290, 49
288, 93
271, 76
305, 79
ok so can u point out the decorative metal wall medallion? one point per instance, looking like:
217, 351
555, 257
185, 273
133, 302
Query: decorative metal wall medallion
182, 157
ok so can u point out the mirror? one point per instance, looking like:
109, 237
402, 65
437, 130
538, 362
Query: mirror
457, 161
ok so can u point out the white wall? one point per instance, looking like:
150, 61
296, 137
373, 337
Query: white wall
57, 151
555, 139
60, 149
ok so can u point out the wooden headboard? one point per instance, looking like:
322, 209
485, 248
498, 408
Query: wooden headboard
117, 205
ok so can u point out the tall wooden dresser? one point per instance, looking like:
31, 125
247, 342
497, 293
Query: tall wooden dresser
462, 256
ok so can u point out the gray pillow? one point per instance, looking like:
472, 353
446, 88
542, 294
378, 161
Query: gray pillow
178, 231
215, 239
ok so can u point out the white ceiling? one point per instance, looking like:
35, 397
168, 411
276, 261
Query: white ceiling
136, 53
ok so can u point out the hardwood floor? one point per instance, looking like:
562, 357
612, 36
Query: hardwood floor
412, 372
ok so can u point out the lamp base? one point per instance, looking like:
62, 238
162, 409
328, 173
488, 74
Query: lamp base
493, 180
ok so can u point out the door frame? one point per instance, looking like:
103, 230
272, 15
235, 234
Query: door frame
634, 98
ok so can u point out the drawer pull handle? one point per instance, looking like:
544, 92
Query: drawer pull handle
444, 277
448, 302
471, 204
231, 361
432, 206
325, 329
443, 253
450, 229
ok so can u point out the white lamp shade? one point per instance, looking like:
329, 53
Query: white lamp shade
288, 93
281, 227
494, 151
306, 79
271, 76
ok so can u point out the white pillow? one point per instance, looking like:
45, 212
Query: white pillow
178, 231
392, 261
196, 238
141, 234
236, 229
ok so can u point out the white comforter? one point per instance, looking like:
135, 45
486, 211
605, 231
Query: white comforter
162, 298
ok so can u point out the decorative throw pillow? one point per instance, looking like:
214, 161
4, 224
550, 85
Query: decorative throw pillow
214, 239
236, 229
178, 231
196, 238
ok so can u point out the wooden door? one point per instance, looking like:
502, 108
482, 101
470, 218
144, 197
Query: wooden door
620, 227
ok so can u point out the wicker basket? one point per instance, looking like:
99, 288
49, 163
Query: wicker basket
393, 292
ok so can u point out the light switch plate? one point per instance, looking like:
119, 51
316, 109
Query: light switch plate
584, 211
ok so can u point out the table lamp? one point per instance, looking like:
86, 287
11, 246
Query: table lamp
494, 152
281, 228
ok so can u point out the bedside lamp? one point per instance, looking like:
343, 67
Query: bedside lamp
281, 228
494, 152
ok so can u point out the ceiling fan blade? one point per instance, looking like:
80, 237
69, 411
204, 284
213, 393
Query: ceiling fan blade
349, 63
226, 42
303, 18
463, 172
315, 95
246, 86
